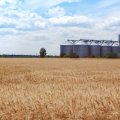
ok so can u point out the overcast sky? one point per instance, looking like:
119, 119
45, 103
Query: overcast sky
28, 25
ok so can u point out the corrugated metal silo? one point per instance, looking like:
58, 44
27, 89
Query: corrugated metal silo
66, 49
76, 49
95, 51
69, 49
119, 39
63, 49
106, 50
116, 49
84, 51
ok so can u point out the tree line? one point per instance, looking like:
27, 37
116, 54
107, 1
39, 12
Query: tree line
42, 54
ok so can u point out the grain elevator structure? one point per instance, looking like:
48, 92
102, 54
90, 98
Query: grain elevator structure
91, 48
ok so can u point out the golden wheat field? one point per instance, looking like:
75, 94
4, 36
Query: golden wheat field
59, 89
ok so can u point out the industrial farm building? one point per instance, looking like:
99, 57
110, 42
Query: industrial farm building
91, 48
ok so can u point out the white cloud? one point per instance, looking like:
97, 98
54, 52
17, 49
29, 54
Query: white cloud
31, 42
109, 23
71, 21
21, 20
3, 2
32, 4
56, 11
24, 32
108, 3
35, 4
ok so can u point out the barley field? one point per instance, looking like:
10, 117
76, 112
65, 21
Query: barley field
59, 89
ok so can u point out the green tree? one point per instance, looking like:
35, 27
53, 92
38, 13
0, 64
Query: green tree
42, 52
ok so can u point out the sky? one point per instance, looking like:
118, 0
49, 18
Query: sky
28, 25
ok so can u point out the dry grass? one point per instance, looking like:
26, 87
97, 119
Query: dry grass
59, 89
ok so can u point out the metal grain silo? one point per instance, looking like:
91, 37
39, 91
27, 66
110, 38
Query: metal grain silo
62, 49
69, 49
119, 39
76, 49
95, 51
66, 49
84, 51
116, 49
106, 50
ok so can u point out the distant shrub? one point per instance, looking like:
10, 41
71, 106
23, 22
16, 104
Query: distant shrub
93, 56
74, 55
62, 55
66, 56
111, 55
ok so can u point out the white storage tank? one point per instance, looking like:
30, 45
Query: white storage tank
95, 51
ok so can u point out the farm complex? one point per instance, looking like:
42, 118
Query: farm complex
91, 48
